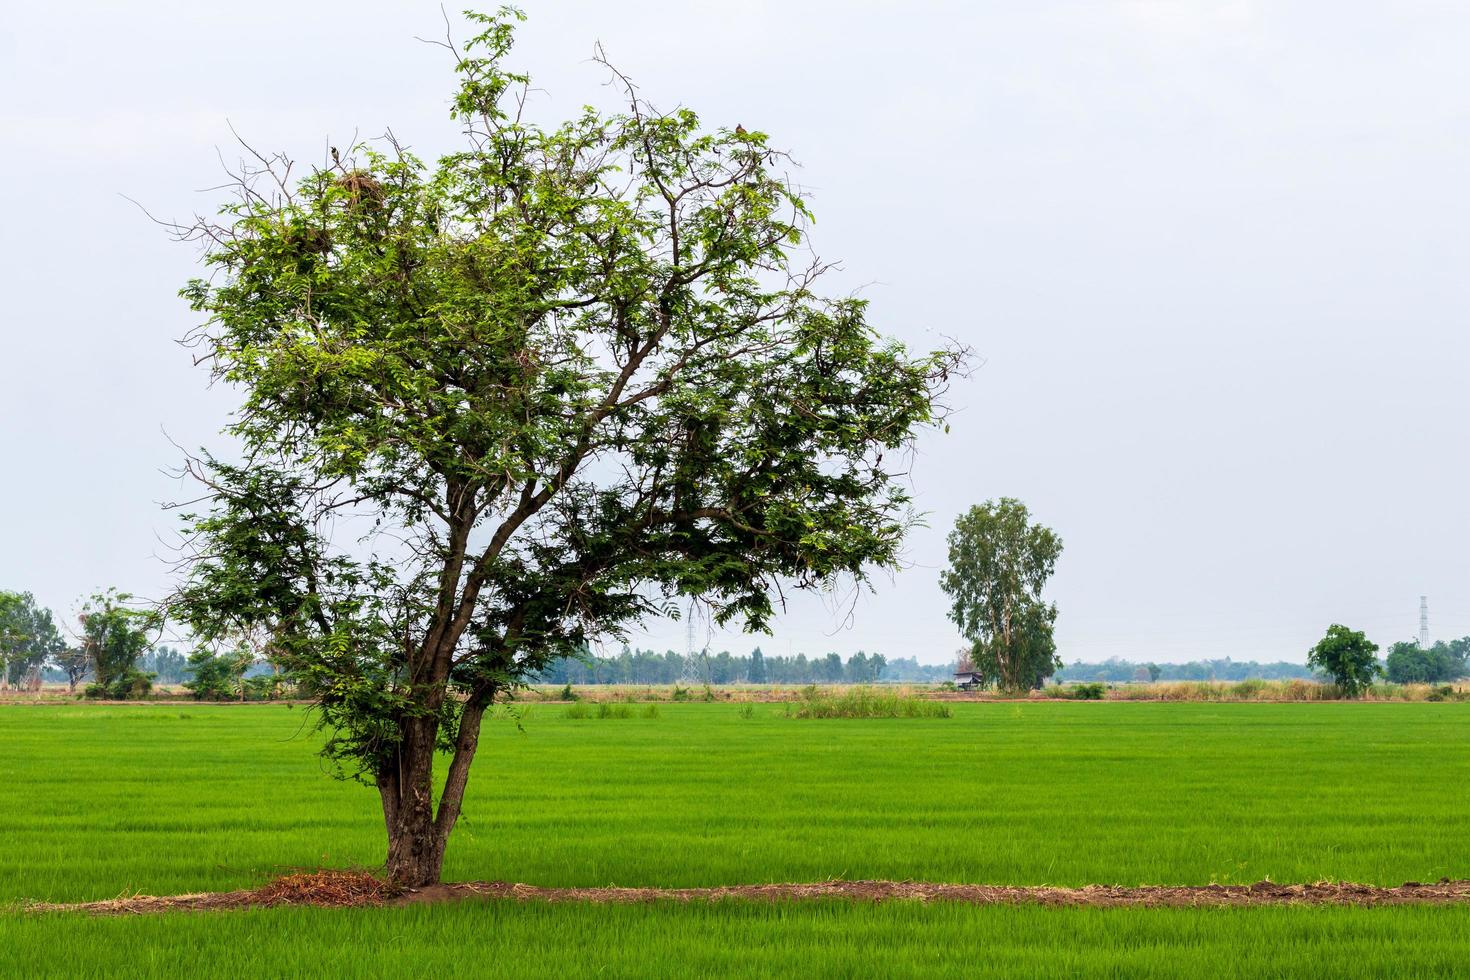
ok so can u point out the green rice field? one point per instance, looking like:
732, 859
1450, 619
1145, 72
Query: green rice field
165, 798
487, 939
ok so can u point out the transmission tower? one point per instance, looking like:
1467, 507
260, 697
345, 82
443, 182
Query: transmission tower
1424, 622
696, 662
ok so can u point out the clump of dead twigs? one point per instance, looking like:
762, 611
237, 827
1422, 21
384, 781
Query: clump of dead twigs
326, 888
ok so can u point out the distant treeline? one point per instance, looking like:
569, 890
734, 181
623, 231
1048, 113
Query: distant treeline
165, 665
1406, 663
1409, 663
1119, 671
650, 667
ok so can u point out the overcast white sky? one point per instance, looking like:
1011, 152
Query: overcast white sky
1213, 254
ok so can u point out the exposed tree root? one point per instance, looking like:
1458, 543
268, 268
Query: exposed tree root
342, 889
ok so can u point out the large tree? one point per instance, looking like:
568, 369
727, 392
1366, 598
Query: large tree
76, 664
1348, 656
114, 636
29, 639
999, 562
541, 390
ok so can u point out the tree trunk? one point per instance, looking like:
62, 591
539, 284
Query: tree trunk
415, 850
415, 854
417, 835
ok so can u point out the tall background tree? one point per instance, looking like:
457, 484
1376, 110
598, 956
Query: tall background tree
14, 631
75, 664
114, 636
218, 677
564, 378
1348, 657
999, 562
757, 674
29, 639
167, 665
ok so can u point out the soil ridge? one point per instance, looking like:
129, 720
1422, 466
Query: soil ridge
352, 889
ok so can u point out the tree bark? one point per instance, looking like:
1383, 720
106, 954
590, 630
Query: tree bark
415, 852
417, 835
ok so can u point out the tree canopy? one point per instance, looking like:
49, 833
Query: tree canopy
114, 636
999, 561
1408, 663
1348, 656
502, 406
28, 638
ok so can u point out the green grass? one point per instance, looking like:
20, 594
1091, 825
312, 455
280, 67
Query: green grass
866, 702
486, 939
102, 800
582, 711
99, 801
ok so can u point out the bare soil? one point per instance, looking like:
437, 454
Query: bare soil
346, 889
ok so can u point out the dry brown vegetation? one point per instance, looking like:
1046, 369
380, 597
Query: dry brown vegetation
1248, 690
339, 889
1288, 690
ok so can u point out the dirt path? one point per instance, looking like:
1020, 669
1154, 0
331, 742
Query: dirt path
340, 889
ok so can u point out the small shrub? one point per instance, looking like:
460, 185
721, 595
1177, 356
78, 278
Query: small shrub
213, 677
680, 693
264, 687
747, 711
567, 694
609, 710
948, 686
131, 685
1442, 693
1249, 689
1089, 692
709, 693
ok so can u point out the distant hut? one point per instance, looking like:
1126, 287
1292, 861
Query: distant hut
966, 677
